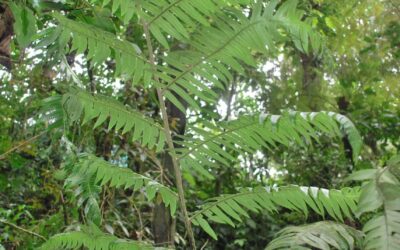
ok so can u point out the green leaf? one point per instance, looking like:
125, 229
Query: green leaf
24, 25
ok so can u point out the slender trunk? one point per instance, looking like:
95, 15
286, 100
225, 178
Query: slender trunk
171, 146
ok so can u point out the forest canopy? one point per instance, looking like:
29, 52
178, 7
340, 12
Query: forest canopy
200, 124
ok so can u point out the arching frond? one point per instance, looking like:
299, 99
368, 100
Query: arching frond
321, 235
207, 146
101, 45
145, 130
228, 208
92, 238
231, 40
381, 191
104, 173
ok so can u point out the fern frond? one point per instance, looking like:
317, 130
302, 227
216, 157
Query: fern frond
382, 190
321, 235
231, 40
202, 146
101, 45
92, 238
228, 208
105, 173
145, 130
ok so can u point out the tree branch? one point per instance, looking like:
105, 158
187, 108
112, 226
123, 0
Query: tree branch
3, 156
22, 229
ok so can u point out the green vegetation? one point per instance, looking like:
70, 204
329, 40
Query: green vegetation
200, 124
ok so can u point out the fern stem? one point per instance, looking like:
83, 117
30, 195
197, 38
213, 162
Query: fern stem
167, 131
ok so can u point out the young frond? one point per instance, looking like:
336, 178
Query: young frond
323, 235
86, 191
92, 238
228, 208
105, 173
101, 45
145, 130
210, 145
229, 41
381, 191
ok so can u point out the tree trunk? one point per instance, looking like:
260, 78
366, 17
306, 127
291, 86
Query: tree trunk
311, 83
6, 32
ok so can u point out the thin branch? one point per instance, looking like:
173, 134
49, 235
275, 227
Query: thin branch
167, 131
3, 156
23, 229
141, 234
205, 244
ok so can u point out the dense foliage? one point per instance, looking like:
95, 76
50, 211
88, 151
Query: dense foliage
200, 124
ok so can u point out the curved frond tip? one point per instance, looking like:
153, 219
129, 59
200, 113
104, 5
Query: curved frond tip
228, 209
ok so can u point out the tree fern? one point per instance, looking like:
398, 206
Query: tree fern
99, 172
79, 104
381, 192
92, 238
227, 208
251, 133
321, 235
